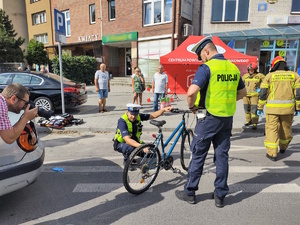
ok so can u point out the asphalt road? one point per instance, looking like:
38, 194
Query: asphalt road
90, 190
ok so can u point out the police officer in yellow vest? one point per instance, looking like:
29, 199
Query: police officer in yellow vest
129, 130
280, 92
220, 82
252, 81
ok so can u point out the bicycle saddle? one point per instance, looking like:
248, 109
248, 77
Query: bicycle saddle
157, 123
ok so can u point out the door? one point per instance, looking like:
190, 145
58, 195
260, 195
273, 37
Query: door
128, 71
265, 61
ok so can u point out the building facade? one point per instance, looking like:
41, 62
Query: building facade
122, 34
15, 9
265, 29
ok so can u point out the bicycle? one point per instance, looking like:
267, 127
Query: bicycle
146, 161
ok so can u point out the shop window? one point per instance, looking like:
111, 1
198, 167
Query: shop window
92, 14
295, 6
113, 56
157, 11
68, 23
38, 18
230, 10
112, 9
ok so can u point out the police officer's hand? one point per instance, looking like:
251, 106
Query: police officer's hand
257, 89
260, 113
168, 109
297, 113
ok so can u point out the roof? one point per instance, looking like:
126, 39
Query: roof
282, 31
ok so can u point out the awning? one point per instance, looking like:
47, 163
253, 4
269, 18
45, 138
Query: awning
272, 32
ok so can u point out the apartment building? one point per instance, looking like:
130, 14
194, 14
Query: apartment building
122, 34
265, 28
15, 9
39, 23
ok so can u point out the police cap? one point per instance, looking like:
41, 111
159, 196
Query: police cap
201, 44
134, 109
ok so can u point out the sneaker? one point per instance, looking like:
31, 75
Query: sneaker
187, 198
248, 123
218, 201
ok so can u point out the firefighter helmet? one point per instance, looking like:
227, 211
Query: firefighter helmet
276, 60
28, 139
252, 66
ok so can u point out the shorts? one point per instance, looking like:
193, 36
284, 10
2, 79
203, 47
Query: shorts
103, 93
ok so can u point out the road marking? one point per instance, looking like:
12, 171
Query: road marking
264, 188
101, 200
100, 187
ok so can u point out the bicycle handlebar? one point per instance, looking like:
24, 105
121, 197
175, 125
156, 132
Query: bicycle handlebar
176, 110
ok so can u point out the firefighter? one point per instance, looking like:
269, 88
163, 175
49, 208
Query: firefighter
252, 81
280, 91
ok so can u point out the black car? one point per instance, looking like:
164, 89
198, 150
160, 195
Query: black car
45, 89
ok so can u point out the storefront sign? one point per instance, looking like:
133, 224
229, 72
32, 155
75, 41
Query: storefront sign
132, 36
93, 37
277, 20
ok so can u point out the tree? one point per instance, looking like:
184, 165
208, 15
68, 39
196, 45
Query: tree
10, 50
36, 53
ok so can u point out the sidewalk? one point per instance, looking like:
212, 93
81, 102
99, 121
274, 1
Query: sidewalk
117, 99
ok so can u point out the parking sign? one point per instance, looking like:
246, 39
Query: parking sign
59, 22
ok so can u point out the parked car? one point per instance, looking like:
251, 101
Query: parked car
45, 89
21, 161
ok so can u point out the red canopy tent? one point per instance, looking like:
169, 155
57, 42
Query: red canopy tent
182, 63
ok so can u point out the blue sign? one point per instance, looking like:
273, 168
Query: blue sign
59, 22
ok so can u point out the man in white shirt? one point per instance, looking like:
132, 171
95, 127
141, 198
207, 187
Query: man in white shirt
159, 86
102, 86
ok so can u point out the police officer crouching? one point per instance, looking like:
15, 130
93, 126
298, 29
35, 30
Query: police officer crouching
129, 130
220, 85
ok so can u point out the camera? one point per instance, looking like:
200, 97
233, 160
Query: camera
41, 112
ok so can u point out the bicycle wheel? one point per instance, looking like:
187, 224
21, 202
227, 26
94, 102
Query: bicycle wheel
141, 169
185, 150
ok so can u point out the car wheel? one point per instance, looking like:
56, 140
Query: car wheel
45, 103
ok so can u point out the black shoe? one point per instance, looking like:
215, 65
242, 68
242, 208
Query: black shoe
218, 202
188, 198
254, 127
248, 123
132, 166
282, 151
273, 158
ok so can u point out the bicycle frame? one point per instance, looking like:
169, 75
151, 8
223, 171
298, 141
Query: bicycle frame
159, 139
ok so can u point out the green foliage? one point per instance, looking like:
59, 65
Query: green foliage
10, 50
77, 68
36, 53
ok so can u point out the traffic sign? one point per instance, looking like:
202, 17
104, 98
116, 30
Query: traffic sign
59, 22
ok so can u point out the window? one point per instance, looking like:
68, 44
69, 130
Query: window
157, 11
92, 14
111, 9
33, 1
41, 38
230, 10
68, 23
295, 6
39, 18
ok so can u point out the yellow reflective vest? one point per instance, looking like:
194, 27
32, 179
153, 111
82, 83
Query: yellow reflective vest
221, 93
118, 135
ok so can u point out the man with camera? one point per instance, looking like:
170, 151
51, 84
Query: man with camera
129, 130
14, 98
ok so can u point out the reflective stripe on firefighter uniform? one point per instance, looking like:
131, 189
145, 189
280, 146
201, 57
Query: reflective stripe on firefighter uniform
279, 93
252, 82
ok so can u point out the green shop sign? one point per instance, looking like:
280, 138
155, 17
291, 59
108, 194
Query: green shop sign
132, 36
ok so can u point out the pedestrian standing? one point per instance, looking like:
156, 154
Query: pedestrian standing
138, 80
219, 80
159, 86
102, 87
252, 81
280, 92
